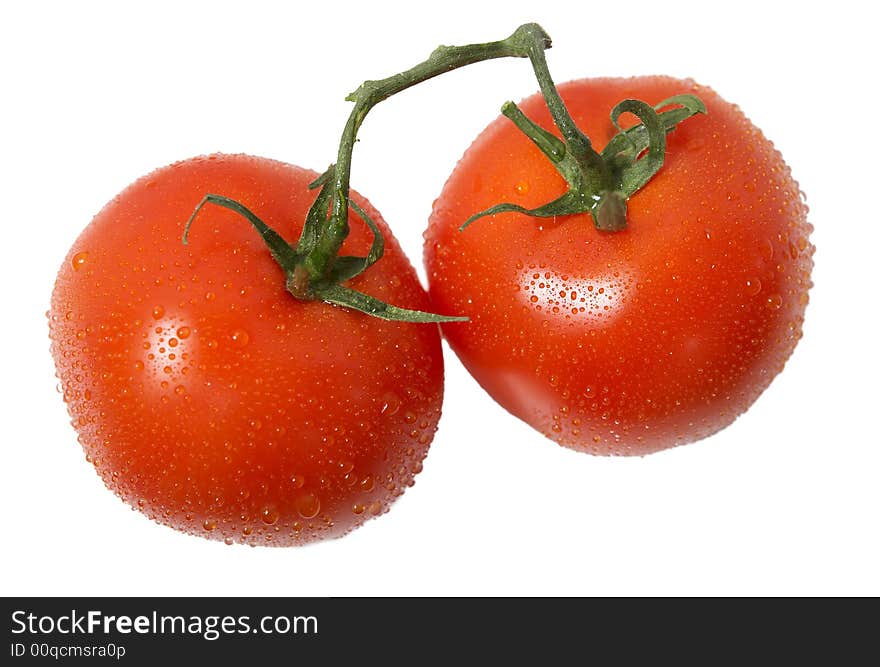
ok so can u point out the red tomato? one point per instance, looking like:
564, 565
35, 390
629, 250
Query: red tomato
628, 342
209, 398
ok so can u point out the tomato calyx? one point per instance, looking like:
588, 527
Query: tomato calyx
314, 269
598, 183
299, 282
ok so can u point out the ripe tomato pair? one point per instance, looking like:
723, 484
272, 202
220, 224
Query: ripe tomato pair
209, 398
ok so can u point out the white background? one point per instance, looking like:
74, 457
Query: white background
785, 501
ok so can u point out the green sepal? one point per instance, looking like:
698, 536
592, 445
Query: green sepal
323, 178
549, 144
281, 251
349, 298
567, 204
625, 147
634, 172
317, 216
347, 267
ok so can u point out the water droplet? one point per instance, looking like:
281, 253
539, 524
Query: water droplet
183, 333
240, 338
79, 260
358, 508
269, 515
209, 524
210, 296
228, 541
375, 508
390, 404
308, 506
774, 301
753, 286
172, 342
297, 481
367, 483
521, 188
158, 312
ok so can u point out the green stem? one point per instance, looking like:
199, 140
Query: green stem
525, 41
314, 270
598, 183
576, 141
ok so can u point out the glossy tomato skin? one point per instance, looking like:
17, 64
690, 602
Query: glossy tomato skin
209, 398
629, 342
